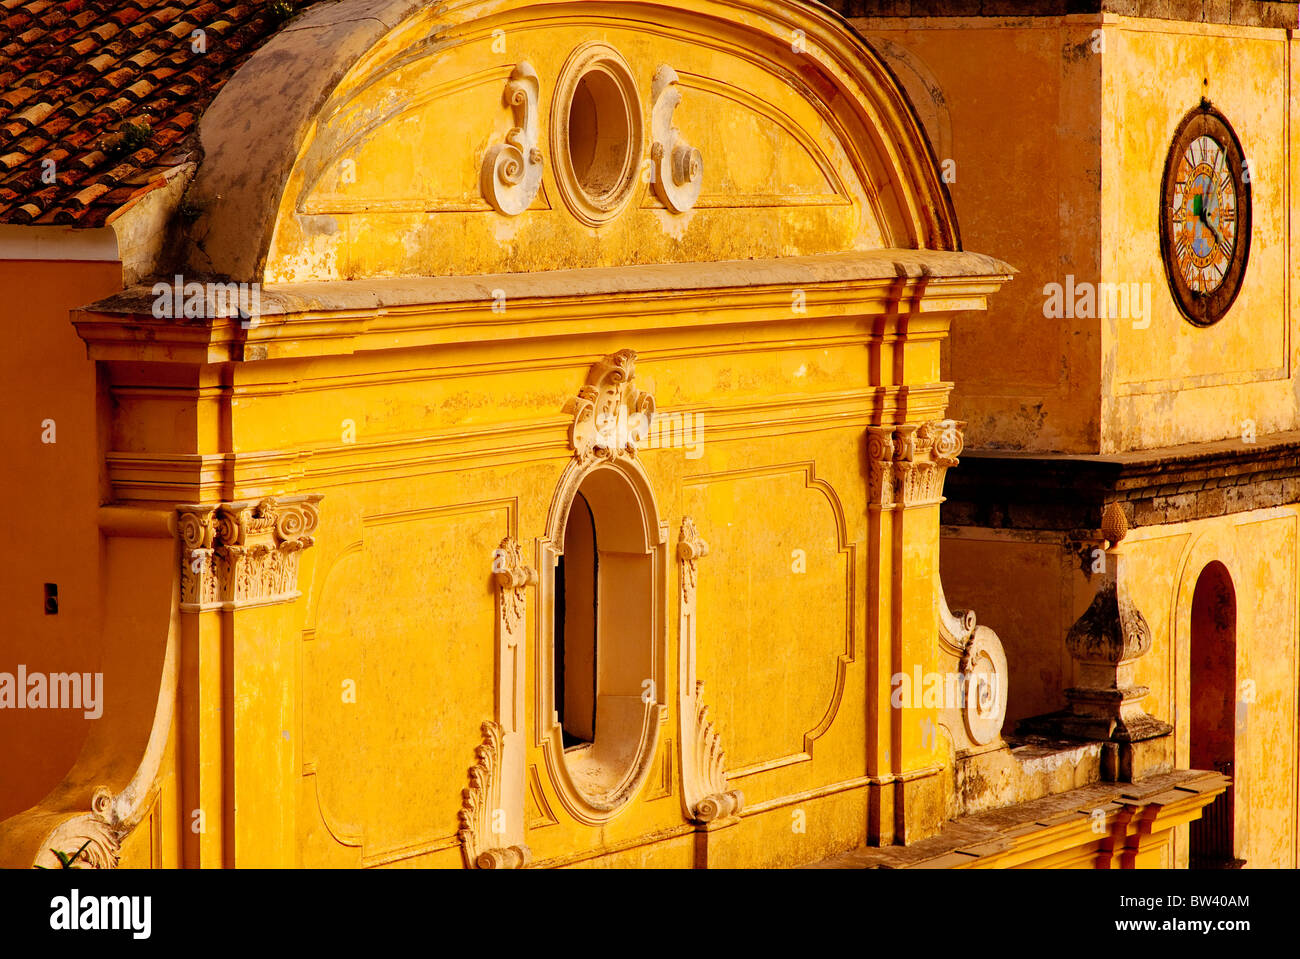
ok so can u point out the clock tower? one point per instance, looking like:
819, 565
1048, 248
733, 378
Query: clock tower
1138, 163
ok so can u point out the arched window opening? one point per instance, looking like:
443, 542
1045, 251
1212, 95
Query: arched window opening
604, 641
1214, 711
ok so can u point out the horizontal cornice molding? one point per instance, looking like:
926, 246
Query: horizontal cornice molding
322, 319
1067, 492
1253, 14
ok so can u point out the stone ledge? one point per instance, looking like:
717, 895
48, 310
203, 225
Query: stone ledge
1245, 13
965, 840
996, 489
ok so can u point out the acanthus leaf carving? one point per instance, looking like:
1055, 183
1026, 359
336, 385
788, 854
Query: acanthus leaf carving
512, 171
512, 577
678, 166
244, 553
611, 417
719, 802
907, 464
480, 804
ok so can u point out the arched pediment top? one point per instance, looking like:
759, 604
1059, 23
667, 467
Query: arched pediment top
396, 138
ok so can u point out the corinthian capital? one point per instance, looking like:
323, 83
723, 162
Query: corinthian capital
907, 464
244, 553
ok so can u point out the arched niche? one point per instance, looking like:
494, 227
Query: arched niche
1214, 705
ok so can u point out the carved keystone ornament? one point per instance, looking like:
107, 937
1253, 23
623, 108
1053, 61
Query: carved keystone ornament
611, 417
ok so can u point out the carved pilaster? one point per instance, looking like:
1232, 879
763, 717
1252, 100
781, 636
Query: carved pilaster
492, 817
482, 818
244, 553
512, 171
705, 792
611, 417
678, 166
906, 465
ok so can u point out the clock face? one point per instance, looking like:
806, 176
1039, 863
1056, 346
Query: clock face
1205, 216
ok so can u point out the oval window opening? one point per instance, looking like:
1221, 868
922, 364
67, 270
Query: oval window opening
603, 639
600, 134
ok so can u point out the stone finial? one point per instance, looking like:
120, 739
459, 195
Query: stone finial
1106, 703
1114, 525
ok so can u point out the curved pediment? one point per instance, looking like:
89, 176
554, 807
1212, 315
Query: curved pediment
521, 137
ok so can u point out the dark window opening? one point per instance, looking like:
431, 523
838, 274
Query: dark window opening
576, 593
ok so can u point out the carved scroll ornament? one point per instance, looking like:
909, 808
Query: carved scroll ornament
678, 166
512, 171
481, 807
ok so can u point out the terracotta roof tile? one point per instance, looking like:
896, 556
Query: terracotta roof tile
113, 92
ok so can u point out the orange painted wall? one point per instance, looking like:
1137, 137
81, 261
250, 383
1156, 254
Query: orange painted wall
51, 490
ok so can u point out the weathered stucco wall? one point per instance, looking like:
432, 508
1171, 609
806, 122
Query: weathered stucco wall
1042, 587
51, 535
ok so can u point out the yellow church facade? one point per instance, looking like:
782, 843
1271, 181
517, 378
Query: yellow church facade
526, 449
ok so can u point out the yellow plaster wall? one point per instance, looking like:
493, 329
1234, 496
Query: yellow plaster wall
1170, 382
1032, 604
401, 599
387, 183
1091, 108
1025, 178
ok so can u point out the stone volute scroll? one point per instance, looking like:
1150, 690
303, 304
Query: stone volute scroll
705, 792
678, 166
611, 417
512, 171
244, 553
483, 817
976, 657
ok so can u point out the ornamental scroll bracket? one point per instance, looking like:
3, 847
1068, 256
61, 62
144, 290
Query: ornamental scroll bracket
678, 166
512, 171
705, 792
907, 464
611, 417
976, 716
91, 840
244, 553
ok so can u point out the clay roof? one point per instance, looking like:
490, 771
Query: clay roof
111, 91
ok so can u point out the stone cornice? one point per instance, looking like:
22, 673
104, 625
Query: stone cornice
1067, 492
326, 319
1264, 14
